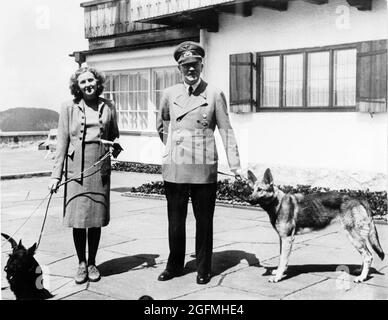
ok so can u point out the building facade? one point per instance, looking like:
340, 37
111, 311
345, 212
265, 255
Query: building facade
306, 81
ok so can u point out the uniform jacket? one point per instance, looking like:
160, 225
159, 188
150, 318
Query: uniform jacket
71, 136
186, 126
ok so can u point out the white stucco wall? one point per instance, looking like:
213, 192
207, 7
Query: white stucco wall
347, 140
144, 148
135, 59
333, 140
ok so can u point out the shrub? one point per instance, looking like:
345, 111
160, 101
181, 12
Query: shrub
239, 191
137, 167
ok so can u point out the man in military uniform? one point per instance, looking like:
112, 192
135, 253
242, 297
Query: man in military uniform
189, 113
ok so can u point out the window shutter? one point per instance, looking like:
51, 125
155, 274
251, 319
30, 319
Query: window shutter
241, 82
372, 76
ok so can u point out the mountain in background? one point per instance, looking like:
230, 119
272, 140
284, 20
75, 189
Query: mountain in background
28, 119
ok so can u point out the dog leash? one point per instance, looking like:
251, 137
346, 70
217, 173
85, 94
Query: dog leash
50, 194
238, 178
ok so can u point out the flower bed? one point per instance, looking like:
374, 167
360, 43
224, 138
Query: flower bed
237, 193
137, 167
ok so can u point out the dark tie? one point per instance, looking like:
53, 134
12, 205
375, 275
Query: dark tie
190, 90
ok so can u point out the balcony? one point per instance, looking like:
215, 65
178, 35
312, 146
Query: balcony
109, 27
199, 13
110, 17
204, 13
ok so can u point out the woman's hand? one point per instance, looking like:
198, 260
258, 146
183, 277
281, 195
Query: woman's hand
115, 147
53, 185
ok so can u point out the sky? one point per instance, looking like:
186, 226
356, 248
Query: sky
36, 38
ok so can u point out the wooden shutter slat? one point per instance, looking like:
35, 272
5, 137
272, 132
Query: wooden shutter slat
372, 77
241, 77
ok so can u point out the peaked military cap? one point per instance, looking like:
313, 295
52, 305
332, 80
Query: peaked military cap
188, 52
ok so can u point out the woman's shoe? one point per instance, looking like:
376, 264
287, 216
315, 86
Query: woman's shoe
94, 274
82, 274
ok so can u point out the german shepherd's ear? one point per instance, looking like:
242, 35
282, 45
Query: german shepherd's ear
251, 178
31, 251
268, 177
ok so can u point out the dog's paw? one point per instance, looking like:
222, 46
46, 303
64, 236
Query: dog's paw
359, 279
274, 279
275, 271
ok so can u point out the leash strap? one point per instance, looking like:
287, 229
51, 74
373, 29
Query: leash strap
44, 219
50, 194
108, 154
238, 178
22, 225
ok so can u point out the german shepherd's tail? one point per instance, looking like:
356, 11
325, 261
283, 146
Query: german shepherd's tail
373, 236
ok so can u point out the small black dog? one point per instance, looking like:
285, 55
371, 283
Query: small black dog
24, 273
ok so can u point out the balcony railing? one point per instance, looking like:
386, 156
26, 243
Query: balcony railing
160, 11
111, 17
146, 9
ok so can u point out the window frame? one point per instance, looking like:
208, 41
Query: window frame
151, 131
304, 51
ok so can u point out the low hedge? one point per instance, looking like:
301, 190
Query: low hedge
237, 192
137, 167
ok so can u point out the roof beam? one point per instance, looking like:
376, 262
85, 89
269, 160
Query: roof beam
317, 1
243, 9
280, 5
361, 5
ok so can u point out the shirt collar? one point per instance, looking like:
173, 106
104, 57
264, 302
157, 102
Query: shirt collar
195, 85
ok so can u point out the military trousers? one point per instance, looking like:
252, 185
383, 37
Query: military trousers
203, 197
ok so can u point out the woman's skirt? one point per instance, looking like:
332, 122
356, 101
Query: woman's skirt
87, 199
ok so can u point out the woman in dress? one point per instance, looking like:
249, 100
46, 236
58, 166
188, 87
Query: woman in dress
86, 129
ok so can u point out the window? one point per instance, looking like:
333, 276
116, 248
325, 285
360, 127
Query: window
137, 94
293, 80
313, 79
344, 90
270, 82
345, 77
318, 79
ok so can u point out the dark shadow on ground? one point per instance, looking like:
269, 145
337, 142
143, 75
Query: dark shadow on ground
124, 264
224, 260
295, 270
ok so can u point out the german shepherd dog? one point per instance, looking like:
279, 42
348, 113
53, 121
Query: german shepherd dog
290, 214
24, 273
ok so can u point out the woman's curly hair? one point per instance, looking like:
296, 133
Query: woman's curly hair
74, 88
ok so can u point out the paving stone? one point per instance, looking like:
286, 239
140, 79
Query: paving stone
255, 279
223, 293
125, 207
30, 231
134, 248
67, 290
67, 267
157, 249
236, 255
249, 234
63, 243
227, 224
133, 284
252, 214
54, 283
340, 290
326, 260
88, 295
